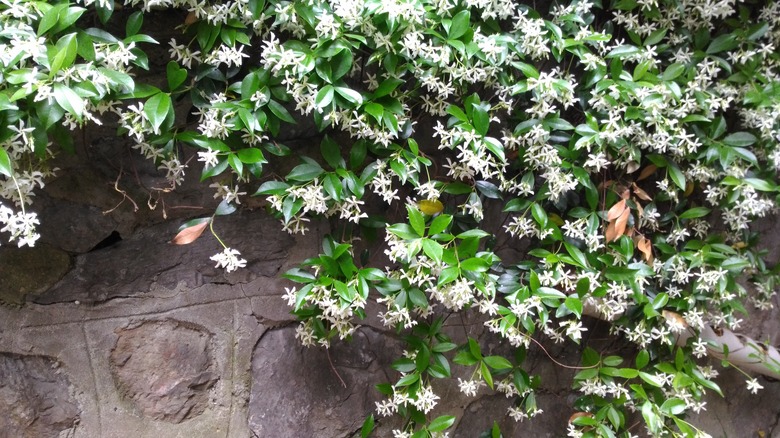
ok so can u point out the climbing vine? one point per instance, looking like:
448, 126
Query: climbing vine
628, 145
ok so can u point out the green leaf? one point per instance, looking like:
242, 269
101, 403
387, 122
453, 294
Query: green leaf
176, 75
722, 43
305, 172
5, 163
50, 18
272, 188
324, 96
235, 163
577, 255
734, 263
695, 212
444, 347
64, 53
104, 10
480, 118
474, 264
134, 23
408, 379
448, 275
760, 184
575, 305
498, 362
539, 215
651, 379
251, 156
623, 51
375, 110
441, 423
460, 24
341, 64
495, 431
386, 87
488, 189
368, 427
416, 220
739, 139
439, 224
156, 109
676, 175
672, 72
653, 421
548, 292
619, 273
279, 111
486, 374
225, 208
433, 249
673, 406
655, 37
68, 100
473, 233
350, 95
642, 359
331, 152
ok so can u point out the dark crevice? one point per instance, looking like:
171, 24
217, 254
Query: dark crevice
111, 240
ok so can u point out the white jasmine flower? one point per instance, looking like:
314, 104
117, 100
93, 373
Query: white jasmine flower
229, 260
753, 386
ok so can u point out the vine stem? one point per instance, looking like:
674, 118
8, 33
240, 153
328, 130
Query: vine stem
327, 352
555, 361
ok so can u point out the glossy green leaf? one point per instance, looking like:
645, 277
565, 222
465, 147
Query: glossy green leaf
441, 423
175, 75
368, 427
305, 172
5, 163
68, 100
416, 220
156, 109
460, 24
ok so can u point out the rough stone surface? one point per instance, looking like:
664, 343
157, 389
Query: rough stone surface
287, 401
35, 398
144, 261
73, 227
165, 369
28, 271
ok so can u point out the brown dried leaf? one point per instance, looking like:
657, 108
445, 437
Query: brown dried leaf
632, 166
191, 18
647, 171
646, 248
641, 194
639, 210
621, 222
625, 194
674, 318
610, 233
616, 210
191, 233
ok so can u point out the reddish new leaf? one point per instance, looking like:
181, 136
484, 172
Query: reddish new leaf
191, 230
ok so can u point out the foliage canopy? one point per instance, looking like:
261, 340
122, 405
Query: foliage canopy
629, 145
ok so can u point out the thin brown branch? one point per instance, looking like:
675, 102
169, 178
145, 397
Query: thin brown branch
333, 368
